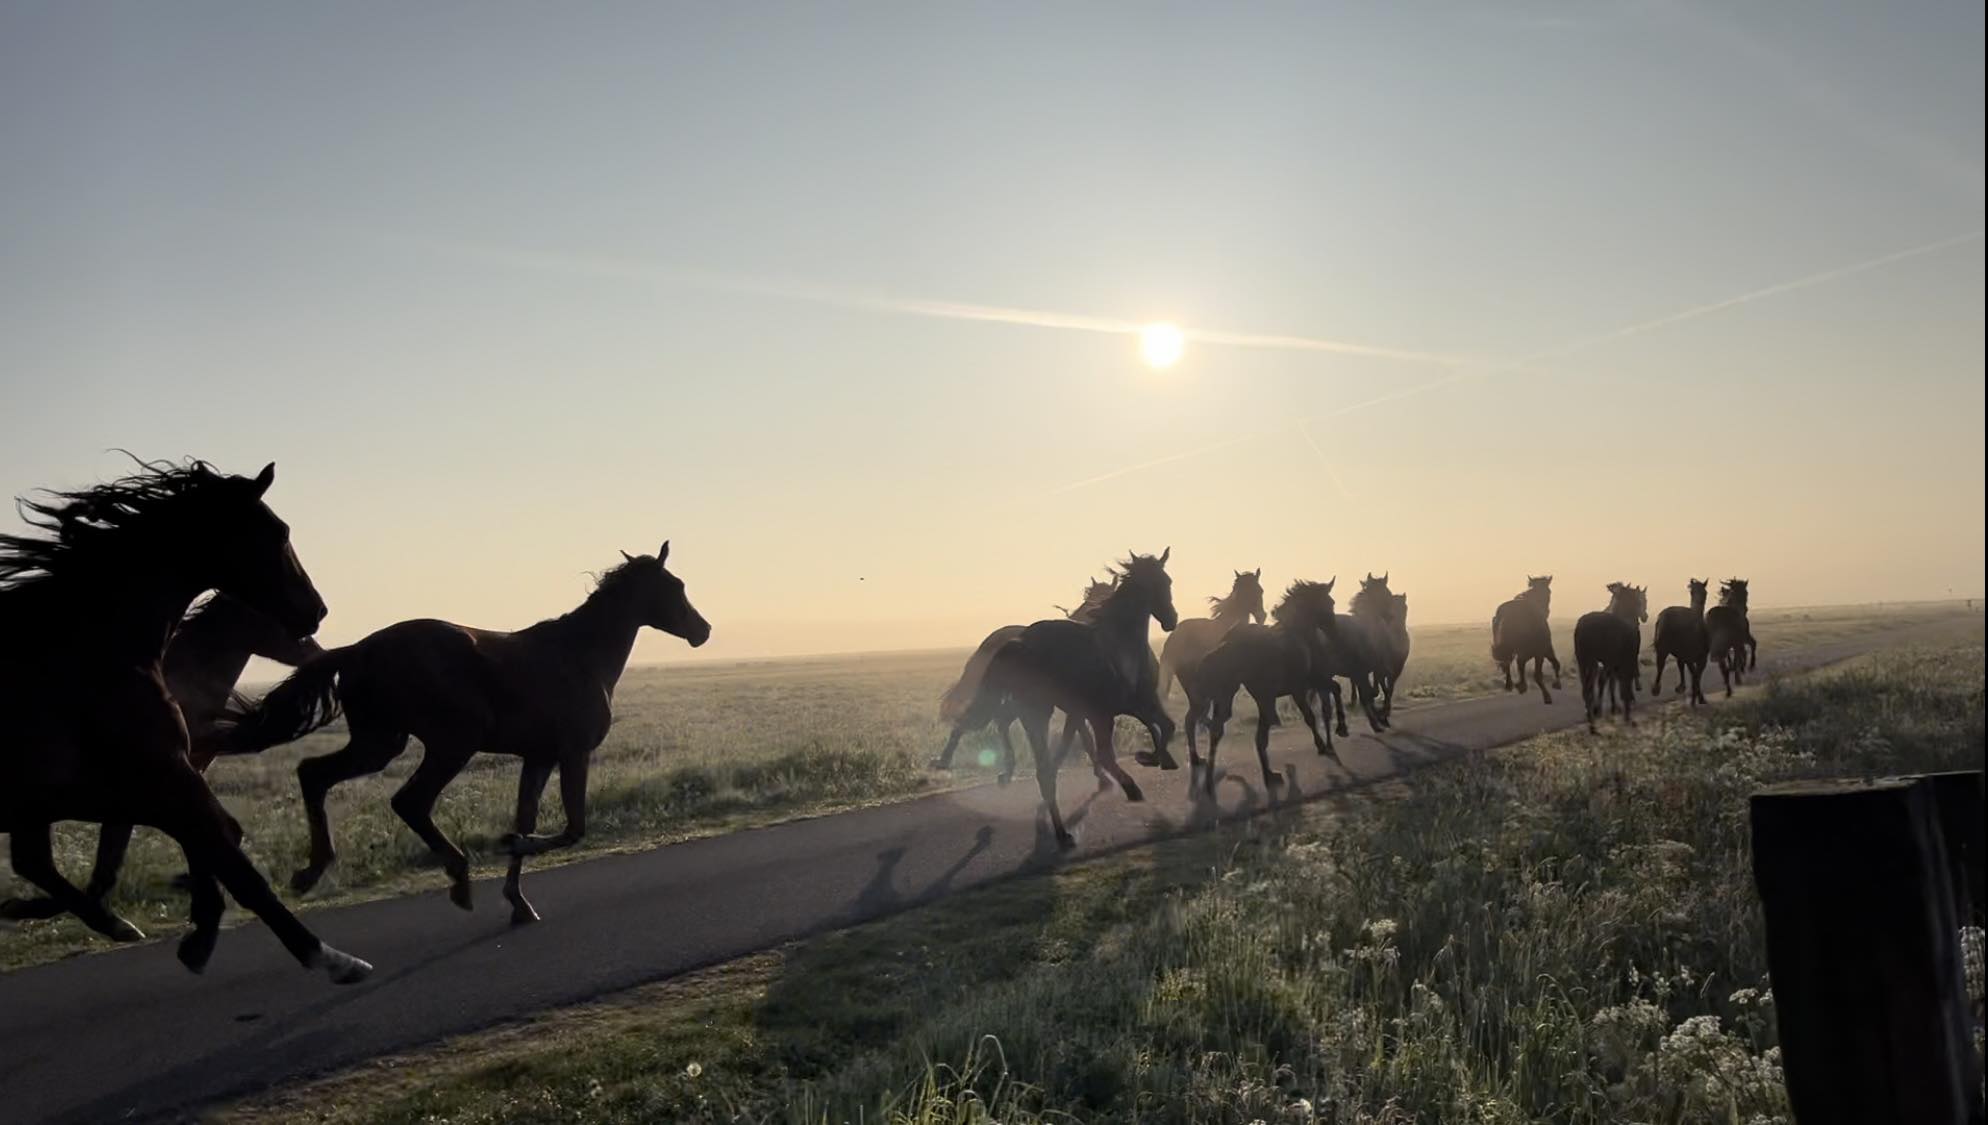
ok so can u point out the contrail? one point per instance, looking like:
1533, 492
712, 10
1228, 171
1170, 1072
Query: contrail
1332, 473
912, 306
1562, 350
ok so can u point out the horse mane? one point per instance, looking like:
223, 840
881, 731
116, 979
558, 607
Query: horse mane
1301, 593
1221, 605
74, 527
1095, 594
1373, 599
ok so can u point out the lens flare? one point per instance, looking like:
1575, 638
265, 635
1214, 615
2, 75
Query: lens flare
1161, 344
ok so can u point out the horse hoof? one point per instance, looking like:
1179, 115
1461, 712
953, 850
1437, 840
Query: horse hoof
342, 968
1131, 788
122, 930
1147, 758
1064, 840
304, 879
1272, 781
459, 894
28, 909
1340, 730
196, 949
522, 913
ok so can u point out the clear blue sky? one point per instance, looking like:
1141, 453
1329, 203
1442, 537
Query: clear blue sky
504, 288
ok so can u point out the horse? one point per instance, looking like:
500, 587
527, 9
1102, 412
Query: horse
1380, 633
1681, 635
1606, 644
88, 601
1271, 662
544, 695
1729, 635
208, 653
1520, 632
1093, 671
956, 705
1189, 644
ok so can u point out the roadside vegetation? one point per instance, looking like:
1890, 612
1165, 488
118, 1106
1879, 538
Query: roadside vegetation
1565, 930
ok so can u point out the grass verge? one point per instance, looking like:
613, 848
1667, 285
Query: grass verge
1562, 931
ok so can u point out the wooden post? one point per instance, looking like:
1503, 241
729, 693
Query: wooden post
1863, 947
1960, 799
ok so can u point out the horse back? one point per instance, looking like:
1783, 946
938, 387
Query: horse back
1519, 628
1681, 632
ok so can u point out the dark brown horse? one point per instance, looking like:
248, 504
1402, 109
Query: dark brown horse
86, 610
1729, 635
1520, 632
1093, 671
1681, 636
956, 705
1270, 662
1606, 646
1196, 637
1374, 640
544, 695
208, 654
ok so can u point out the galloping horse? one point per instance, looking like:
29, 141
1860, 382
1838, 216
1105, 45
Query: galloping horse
1377, 631
1606, 644
1093, 671
1520, 632
956, 705
1729, 635
544, 694
1286, 658
207, 655
1681, 634
86, 610
1196, 637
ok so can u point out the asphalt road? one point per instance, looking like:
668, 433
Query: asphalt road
128, 1035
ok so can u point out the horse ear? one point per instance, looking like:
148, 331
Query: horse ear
1164, 555
265, 478
1259, 572
1384, 575
626, 557
663, 552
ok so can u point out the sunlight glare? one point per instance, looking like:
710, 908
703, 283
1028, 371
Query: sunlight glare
1161, 344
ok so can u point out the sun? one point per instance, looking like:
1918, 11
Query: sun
1161, 344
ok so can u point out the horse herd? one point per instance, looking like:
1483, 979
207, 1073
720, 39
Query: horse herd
116, 684
1094, 664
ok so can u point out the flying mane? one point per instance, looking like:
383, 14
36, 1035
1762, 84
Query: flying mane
89, 523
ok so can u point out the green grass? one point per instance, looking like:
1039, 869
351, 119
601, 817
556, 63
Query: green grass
1564, 931
695, 750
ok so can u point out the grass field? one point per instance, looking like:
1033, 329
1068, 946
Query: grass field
698, 750
1565, 930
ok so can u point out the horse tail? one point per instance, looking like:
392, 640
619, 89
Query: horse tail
305, 701
1166, 677
953, 705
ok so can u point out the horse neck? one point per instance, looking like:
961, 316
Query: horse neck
1698, 603
1230, 613
202, 664
1123, 618
129, 615
601, 634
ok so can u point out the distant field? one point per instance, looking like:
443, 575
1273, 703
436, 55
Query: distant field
704, 749
1566, 931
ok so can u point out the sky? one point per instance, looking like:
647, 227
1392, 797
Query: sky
838, 298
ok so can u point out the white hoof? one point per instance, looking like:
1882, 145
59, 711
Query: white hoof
341, 967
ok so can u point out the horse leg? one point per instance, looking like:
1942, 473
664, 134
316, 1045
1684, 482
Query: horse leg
1590, 705
1726, 673
1338, 705
415, 803
945, 759
112, 840
1035, 725
1628, 701
1270, 780
34, 860
1555, 661
197, 947
1002, 727
1658, 678
208, 836
1505, 666
531, 786
367, 752
1698, 682
1105, 756
1539, 676
1321, 742
1752, 652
